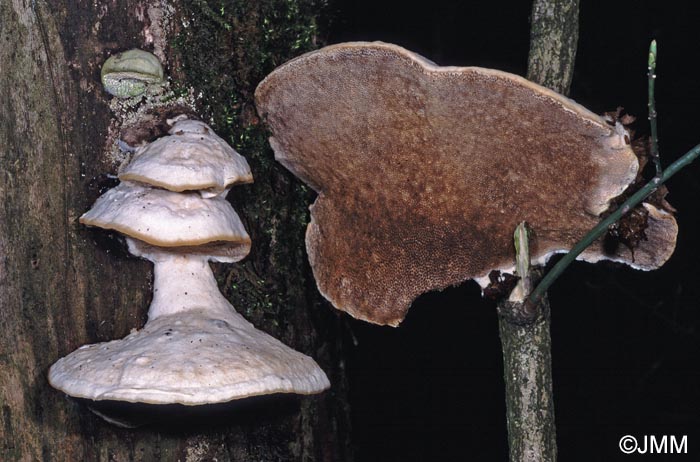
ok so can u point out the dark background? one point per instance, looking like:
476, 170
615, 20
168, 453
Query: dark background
626, 348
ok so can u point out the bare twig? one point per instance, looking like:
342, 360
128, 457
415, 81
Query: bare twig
654, 142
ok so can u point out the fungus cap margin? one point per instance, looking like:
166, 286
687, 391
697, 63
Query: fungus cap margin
164, 218
188, 358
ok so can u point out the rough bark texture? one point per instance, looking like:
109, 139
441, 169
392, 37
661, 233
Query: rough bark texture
553, 40
527, 364
63, 285
525, 337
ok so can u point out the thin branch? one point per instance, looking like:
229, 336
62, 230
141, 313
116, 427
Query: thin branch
652, 109
525, 337
553, 43
660, 178
527, 367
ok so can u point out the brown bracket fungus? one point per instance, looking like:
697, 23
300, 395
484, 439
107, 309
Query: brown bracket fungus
195, 348
423, 172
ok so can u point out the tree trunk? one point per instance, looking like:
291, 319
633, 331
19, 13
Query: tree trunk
63, 285
525, 335
527, 371
553, 43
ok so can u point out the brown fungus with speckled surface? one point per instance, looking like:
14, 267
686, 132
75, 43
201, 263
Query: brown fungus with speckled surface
423, 172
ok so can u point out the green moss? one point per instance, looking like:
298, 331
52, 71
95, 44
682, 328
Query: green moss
238, 44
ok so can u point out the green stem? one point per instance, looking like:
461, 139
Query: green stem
652, 108
522, 264
602, 227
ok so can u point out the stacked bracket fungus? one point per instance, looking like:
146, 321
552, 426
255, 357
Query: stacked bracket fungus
423, 172
195, 348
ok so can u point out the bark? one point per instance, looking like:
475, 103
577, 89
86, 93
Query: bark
525, 334
553, 40
527, 365
63, 285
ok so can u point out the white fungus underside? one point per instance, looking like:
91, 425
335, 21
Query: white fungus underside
188, 358
165, 218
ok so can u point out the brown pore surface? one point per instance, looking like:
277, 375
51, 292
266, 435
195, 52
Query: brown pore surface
424, 172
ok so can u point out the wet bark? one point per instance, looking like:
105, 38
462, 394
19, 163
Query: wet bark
63, 285
525, 334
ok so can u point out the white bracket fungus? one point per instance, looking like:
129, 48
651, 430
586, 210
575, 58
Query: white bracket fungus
195, 349
192, 158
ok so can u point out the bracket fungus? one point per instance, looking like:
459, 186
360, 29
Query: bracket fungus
423, 172
194, 158
129, 73
195, 348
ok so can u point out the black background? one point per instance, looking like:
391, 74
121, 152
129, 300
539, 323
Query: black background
626, 348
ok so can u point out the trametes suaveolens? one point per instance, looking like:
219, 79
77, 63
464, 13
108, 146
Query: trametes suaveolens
195, 348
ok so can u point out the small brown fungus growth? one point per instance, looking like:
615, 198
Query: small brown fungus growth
423, 172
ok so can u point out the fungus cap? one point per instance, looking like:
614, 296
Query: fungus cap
168, 219
423, 172
192, 157
129, 73
189, 358
652, 251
